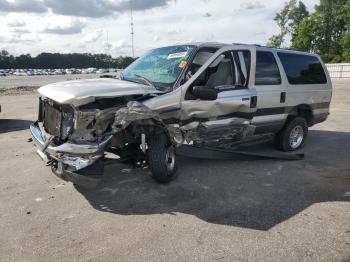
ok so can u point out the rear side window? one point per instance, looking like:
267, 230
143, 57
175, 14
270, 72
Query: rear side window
302, 69
267, 72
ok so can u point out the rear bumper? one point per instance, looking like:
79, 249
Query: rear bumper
69, 156
319, 118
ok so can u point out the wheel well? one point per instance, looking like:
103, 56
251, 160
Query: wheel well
304, 111
147, 126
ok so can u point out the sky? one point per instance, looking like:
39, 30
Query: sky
103, 26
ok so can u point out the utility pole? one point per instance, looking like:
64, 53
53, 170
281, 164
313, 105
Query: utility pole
132, 29
108, 50
107, 46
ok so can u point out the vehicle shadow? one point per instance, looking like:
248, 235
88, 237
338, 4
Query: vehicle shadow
12, 125
250, 194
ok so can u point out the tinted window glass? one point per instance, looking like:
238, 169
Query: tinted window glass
267, 72
302, 69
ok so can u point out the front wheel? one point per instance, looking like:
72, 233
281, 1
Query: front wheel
292, 137
161, 158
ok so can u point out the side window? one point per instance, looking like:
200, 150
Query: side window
267, 72
219, 73
228, 71
302, 69
200, 59
222, 74
242, 68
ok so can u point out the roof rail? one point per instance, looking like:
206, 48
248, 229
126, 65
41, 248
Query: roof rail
247, 44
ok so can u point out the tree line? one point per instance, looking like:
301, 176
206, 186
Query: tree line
326, 31
62, 61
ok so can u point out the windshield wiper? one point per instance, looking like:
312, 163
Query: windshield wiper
146, 80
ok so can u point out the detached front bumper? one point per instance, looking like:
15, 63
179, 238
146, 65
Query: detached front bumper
70, 157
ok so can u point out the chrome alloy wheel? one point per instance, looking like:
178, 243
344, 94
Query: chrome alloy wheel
296, 137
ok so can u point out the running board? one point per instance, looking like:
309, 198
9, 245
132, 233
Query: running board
225, 154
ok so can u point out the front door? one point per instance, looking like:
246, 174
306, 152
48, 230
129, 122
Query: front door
229, 74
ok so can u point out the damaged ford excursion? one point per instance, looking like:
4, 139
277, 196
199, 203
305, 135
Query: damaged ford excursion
184, 94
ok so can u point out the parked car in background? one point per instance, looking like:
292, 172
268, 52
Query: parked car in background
68, 71
195, 93
102, 71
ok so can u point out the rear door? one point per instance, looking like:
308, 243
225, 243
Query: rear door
271, 92
307, 82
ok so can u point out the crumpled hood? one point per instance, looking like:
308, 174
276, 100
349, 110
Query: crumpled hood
80, 92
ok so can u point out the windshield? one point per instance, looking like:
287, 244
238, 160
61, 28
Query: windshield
161, 67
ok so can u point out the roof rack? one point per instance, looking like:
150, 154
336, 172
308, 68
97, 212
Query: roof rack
247, 44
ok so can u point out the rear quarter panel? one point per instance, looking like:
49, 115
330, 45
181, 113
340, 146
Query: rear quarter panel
316, 96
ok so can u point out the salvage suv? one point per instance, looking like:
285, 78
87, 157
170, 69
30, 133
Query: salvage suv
184, 94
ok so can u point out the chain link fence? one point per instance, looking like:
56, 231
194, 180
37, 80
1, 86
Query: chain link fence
339, 70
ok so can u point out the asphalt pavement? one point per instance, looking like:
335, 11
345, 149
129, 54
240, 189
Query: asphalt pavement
217, 210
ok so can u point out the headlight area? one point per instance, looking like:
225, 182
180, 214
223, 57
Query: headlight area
72, 140
57, 119
92, 125
67, 122
84, 129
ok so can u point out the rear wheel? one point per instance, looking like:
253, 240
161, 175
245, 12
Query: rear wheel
292, 137
161, 158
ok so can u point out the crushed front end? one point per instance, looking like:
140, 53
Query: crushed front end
72, 141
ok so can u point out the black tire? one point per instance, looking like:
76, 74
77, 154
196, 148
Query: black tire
161, 158
286, 141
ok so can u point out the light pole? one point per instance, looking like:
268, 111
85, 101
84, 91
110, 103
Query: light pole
132, 29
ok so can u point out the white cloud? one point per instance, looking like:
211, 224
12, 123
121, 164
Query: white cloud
35, 6
19, 30
157, 23
252, 5
121, 44
85, 8
99, 8
15, 23
29, 38
67, 27
93, 36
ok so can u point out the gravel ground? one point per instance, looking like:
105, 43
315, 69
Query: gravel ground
216, 210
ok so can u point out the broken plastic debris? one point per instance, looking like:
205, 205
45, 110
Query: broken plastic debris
58, 185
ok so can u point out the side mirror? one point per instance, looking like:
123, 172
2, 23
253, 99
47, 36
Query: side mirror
205, 93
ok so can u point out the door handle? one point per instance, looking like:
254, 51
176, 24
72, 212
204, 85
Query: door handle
245, 99
253, 101
283, 97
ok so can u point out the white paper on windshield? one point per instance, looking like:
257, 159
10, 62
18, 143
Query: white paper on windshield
177, 55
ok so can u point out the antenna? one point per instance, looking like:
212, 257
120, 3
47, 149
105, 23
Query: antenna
132, 29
